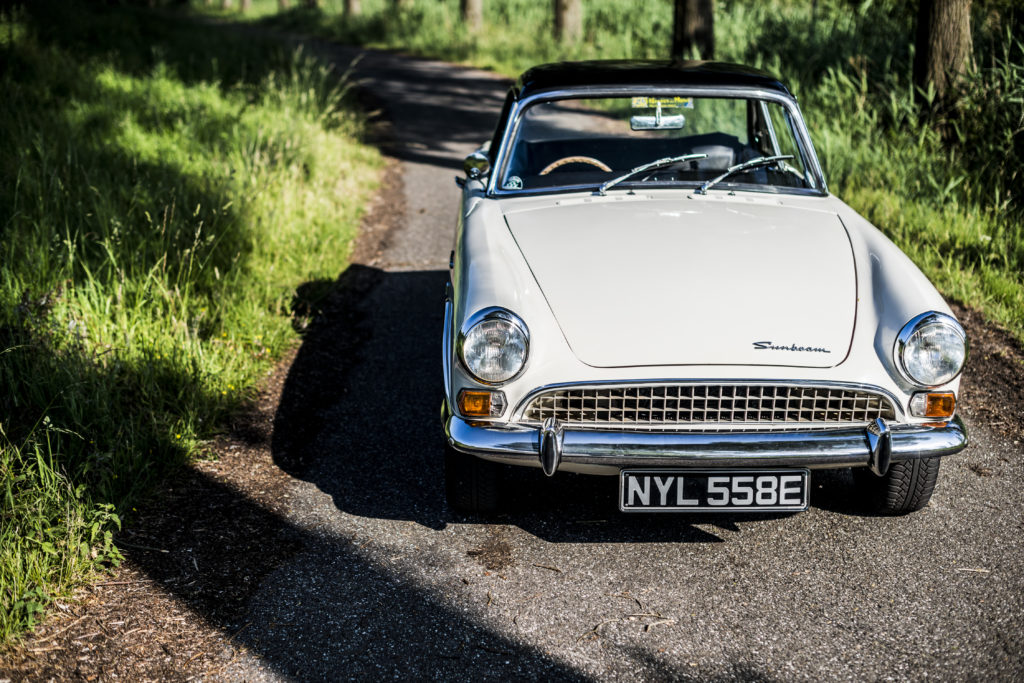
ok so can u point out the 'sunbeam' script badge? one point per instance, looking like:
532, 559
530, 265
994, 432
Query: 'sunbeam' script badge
769, 346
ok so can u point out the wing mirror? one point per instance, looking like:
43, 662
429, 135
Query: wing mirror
477, 165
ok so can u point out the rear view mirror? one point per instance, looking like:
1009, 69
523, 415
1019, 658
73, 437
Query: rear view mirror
658, 121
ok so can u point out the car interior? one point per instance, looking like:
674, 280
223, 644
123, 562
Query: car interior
558, 151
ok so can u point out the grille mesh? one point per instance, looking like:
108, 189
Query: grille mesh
710, 406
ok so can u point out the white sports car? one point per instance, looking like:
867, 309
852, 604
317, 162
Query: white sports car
651, 280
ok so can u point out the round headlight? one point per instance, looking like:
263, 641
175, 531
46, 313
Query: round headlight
931, 349
494, 345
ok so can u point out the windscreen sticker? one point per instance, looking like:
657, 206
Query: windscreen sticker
652, 102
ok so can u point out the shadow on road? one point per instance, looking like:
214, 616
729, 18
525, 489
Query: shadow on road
358, 620
360, 418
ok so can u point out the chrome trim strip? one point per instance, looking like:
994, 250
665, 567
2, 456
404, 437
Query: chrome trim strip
812, 155
673, 187
816, 450
511, 131
908, 331
703, 427
517, 414
771, 127
446, 348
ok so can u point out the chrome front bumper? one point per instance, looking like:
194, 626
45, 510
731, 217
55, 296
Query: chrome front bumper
605, 452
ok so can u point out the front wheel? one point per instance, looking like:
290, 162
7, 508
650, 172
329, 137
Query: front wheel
471, 484
906, 487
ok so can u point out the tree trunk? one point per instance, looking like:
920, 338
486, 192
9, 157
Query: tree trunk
283, 5
244, 6
473, 14
400, 4
353, 8
568, 20
943, 47
693, 28
225, 4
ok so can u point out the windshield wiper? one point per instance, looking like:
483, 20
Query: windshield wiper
667, 161
759, 161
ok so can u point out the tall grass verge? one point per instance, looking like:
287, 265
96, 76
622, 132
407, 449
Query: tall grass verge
946, 186
165, 189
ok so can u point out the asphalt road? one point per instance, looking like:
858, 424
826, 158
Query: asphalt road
391, 584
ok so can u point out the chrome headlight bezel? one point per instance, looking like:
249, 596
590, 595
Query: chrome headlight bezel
490, 314
917, 323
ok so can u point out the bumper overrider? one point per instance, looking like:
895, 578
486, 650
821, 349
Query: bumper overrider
552, 447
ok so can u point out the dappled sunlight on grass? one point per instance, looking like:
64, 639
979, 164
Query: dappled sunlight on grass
157, 221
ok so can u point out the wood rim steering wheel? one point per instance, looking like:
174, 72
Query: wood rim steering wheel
575, 160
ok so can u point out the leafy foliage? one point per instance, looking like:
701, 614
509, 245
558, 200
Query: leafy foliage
945, 184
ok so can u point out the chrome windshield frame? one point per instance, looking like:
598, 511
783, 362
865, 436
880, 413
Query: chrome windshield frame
501, 160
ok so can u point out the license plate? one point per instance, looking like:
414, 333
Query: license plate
713, 490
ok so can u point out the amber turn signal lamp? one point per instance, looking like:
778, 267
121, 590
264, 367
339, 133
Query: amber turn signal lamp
933, 405
473, 403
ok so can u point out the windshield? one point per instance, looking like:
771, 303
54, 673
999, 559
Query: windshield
590, 141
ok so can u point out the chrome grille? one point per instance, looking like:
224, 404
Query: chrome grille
710, 407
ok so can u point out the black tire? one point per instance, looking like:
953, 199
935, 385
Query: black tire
471, 485
906, 487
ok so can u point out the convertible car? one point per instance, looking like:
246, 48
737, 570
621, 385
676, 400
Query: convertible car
651, 281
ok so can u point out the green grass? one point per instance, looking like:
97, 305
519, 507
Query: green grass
166, 187
952, 201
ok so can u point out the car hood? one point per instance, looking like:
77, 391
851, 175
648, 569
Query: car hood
693, 281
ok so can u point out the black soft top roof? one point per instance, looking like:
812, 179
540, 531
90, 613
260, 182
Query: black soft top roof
559, 75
